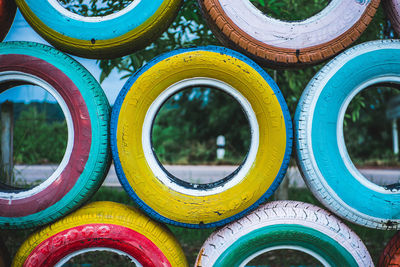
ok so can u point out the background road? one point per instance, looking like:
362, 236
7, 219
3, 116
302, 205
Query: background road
198, 174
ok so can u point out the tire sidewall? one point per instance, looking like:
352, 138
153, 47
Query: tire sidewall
158, 214
88, 169
317, 146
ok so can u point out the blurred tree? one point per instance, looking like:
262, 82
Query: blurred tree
190, 29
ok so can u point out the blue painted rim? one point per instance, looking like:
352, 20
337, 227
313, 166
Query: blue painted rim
114, 123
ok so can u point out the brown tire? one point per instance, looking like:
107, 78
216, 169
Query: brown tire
392, 8
7, 13
391, 254
276, 43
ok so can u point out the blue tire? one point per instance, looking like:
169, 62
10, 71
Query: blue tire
321, 151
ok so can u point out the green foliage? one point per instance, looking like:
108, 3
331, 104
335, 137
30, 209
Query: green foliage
367, 132
189, 29
186, 127
290, 10
38, 141
93, 8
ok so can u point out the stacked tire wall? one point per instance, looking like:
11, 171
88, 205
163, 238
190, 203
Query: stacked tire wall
232, 202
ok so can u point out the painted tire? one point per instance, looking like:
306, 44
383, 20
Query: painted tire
86, 109
7, 13
160, 194
391, 255
102, 226
110, 36
4, 255
276, 43
321, 151
392, 8
285, 225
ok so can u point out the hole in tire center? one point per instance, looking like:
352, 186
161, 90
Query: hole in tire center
99, 258
294, 10
90, 8
32, 118
284, 257
369, 133
201, 135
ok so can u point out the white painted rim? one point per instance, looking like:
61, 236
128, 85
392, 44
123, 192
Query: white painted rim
57, 6
94, 249
285, 247
20, 76
340, 135
152, 113
323, 27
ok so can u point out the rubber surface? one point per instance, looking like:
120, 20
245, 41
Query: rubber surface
392, 8
7, 13
391, 254
102, 225
321, 152
110, 36
187, 210
89, 160
274, 43
284, 224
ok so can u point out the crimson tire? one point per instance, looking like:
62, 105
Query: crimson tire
7, 13
86, 109
102, 226
391, 255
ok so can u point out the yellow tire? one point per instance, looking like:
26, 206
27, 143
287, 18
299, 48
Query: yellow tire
193, 205
118, 34
102, 226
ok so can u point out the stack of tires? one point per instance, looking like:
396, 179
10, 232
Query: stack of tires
233, 203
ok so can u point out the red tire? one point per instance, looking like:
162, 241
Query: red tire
86, 109
392, 8
276, 43
391, 254
102, 226
7, 13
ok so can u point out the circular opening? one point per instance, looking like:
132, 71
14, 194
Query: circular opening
98, 257
35, 140
296, 10
90, 8
201, 136
370, 130
282, 256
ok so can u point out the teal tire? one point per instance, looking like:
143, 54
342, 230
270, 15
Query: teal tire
87, 158
321, 151
284, 225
